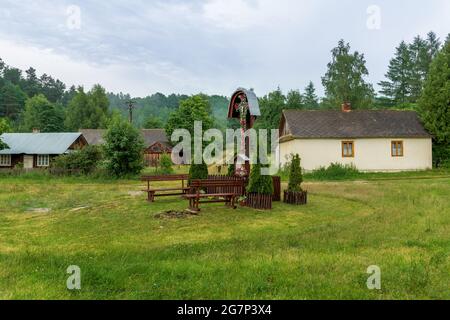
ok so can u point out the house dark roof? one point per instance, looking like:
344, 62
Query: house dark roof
353, 124
38, 143
150, 136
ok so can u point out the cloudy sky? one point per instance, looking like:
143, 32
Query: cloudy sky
210, 46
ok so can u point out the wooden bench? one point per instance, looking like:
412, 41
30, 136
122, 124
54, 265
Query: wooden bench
152, 192
219, 190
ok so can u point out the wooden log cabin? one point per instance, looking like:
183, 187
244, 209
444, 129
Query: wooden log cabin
36, 150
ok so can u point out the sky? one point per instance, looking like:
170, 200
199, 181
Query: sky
210, 46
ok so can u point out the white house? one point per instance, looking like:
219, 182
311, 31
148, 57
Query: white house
371, 140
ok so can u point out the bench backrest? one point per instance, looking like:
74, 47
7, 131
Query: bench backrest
219, 186
169, 177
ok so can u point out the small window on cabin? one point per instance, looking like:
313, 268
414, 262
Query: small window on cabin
348, 149
43, 160
397, 148
5, 160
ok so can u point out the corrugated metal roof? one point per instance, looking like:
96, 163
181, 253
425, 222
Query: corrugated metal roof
38, 143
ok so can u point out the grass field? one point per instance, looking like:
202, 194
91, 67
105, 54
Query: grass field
320, 251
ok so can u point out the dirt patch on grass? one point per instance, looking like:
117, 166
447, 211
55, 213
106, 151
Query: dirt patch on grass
39, 210
173, 214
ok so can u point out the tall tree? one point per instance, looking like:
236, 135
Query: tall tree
153, 122
31, 84
397, 87
42, 114
195, 108
434, 104
310, 99
123, 148
87, 110
12, 101
294, 100
4, 127
51, 88
345, 79
271, 107
409, 69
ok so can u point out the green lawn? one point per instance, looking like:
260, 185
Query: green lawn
318, 251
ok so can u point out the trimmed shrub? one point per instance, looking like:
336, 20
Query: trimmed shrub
198, 171
231, 170
295, 175
261, 184
166, 164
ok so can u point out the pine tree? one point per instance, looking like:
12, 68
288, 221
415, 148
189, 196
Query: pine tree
345, 78
198, 172
294, 100
295, 175
397, 88
310, 99
434, 104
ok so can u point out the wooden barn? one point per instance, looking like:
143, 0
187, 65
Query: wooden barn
155, 140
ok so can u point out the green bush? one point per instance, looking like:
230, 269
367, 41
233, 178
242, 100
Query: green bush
335, 171
85, 160
231, 170
441, 156
198, 171
123, 149
295, 175
166, 164
258, 183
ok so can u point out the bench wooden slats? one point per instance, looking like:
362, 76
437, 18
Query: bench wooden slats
152, 192
229, 190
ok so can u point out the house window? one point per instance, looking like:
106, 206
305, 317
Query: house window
348, 149
397, 148
43, 160
5, 160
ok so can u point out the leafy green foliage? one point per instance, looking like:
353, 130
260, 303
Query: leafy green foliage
4, 127
231, 170
295, 175
258, 183
85, 160
153, 122
12, 101
198, 171
166, 164
43, 115
195, 108
434, 105
345, 79
123, 148
334, 171
88, 110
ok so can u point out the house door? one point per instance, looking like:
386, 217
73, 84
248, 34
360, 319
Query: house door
28, 162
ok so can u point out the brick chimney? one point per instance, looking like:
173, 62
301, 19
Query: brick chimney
36, 130
346, 107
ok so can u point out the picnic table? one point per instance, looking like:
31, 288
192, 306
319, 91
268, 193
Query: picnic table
201, 191
164, 192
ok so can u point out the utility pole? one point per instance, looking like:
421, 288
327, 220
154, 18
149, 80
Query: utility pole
131, 106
